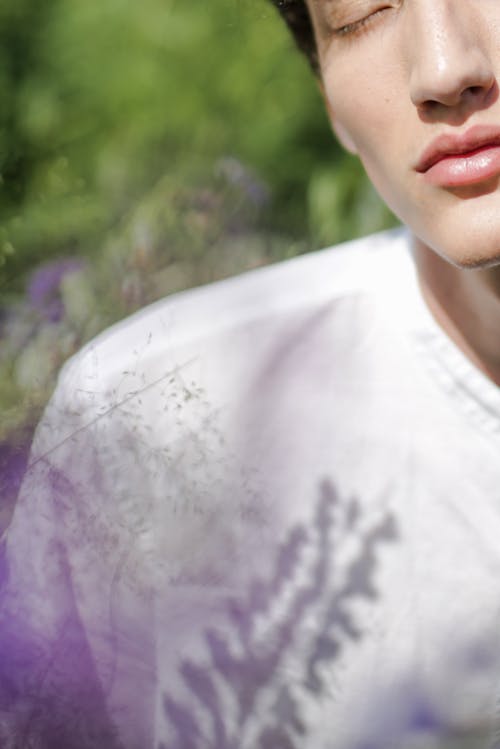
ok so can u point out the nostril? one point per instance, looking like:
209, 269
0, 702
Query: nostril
429, 106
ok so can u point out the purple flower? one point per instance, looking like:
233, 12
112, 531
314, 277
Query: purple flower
44, 286
14, 451
237, 174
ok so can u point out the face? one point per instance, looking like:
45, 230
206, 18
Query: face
412, 87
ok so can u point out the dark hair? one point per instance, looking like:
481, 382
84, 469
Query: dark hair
298, 20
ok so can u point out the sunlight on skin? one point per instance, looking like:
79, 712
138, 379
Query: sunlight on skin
440, 80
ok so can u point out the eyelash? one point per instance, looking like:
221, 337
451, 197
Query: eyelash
357, 27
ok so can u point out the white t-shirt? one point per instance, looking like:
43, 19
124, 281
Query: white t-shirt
263, 514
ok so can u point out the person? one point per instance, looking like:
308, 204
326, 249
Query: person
264, 514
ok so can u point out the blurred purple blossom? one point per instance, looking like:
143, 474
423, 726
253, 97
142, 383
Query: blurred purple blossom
239, 175
13, 460
14, 452
43, 292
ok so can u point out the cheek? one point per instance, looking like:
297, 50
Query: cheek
365, 107
374, 111
366, 86
373, 128
369, 101
396, 187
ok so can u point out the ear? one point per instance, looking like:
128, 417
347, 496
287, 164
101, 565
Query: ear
339, 130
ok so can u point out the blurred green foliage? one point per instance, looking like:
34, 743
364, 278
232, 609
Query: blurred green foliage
155, 146
103, 97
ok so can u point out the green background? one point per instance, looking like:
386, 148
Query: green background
147, 147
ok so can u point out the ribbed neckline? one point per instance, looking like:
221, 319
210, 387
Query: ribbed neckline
471, 389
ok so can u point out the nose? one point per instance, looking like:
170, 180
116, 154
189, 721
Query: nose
448, 53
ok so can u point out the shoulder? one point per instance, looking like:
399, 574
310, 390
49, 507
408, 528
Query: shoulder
200, 313
202, 319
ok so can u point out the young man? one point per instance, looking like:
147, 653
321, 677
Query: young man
266, 513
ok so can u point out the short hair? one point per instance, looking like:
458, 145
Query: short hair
297, 17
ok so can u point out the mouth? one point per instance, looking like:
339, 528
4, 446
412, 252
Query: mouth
460, 160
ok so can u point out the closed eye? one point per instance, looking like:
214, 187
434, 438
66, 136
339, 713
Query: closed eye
359, 25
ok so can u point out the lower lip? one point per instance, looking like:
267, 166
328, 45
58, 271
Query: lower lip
462, 170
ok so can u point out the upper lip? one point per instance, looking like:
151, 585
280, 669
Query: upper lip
456, 144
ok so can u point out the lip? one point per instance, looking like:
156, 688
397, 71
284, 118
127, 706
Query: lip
462, 159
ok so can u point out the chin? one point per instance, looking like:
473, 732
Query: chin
470, 233
479, 263
464, 231
480, 257
467, 238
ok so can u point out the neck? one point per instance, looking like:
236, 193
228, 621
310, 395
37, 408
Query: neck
466, 304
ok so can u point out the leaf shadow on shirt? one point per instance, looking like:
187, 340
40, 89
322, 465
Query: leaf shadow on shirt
240, 695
